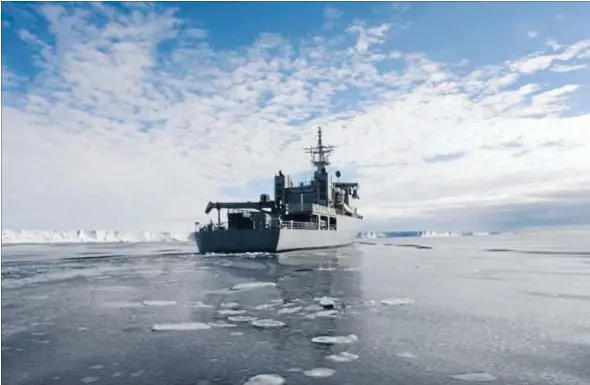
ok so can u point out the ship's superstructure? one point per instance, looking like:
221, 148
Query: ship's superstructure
313, 215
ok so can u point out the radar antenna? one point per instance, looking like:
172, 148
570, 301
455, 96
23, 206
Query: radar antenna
320, 154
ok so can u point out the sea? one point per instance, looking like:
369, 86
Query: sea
501, 309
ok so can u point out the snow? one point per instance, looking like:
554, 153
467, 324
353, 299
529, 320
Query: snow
92, 236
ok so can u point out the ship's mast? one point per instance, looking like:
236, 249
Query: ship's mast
320, 154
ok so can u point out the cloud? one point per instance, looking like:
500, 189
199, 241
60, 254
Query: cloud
532, 34
132, 119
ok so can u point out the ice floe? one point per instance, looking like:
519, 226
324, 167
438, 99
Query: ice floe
265, 379
88, 380
475, 377
405, 355
236, 334
323, 314
267, 323
158, 303
198, 304
181, 326
242, 318
96, 367
264, 306
231, 312
319, 372
230, 305
343, 357
390, 302
252, 285
221, 325
290, 310
335, 340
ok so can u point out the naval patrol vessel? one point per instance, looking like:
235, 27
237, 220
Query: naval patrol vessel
309, 216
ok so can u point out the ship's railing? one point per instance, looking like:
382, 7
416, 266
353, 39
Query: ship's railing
299, 225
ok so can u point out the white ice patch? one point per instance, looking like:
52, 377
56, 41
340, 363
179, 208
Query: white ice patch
158, 303
405, 355
221, 325
267, 323
88, 380
96, 367
319, 372
290, 310
236, 334
241, 318
230, 305
326, 302
323, 314
181, 326
264, 306
343, 357
252, 285
198, 305
476, 377
313, 308
397, 301
294, 370
231, 312
335, 340
265, 379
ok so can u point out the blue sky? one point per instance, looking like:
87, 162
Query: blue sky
450, 115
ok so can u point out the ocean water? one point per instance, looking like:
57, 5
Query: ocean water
511, 309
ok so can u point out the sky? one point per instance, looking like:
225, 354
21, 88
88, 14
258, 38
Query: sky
451, 116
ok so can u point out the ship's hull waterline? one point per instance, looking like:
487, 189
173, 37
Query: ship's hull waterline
277, 240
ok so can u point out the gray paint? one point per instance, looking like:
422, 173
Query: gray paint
274, 240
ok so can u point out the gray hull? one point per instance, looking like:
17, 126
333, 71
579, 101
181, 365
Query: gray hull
275, 240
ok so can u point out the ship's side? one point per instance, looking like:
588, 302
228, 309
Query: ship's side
315, 215
277, 240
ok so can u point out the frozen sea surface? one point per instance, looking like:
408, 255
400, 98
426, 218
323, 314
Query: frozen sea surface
499, 310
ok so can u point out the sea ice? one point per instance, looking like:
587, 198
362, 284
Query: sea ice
158, 303
241, 318
290, 310
252, 285
475, 377
267, 323
335, 340
343, 357
181, 326
319, 372
265, 379
231, 312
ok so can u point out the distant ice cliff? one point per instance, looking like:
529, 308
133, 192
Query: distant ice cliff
90, 236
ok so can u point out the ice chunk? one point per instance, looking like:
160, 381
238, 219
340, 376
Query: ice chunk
265, 379
335, 340
198, 304
230, 305
236, 334
405, 355
88, 380
265, 306
343, 357
323, 314
327, 302
96, 367
475, 377
221, 325
267, 323
139, 373
319, 372
231, 312
397, 301
158, 303
181, 326
290, 310
241, 318
252, 285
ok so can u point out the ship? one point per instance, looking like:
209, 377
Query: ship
314, 215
